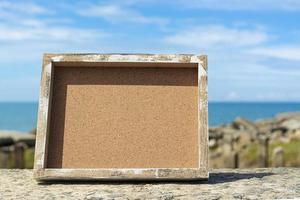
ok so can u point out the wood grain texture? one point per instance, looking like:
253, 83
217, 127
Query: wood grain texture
203, 114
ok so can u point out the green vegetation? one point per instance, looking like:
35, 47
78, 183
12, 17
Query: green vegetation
250, 155
291, 152
29, 158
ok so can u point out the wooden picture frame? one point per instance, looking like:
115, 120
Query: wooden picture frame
43, 172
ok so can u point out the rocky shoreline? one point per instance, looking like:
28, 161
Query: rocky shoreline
8, 138
16, 149
268, 142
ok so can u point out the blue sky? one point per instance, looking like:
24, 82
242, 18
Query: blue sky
253, 46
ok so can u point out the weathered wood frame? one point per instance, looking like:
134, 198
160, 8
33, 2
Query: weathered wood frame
43, 173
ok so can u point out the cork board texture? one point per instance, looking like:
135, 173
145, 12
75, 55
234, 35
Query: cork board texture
122, 116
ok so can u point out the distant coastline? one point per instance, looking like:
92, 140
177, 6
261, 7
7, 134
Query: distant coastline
22, 116
226, 112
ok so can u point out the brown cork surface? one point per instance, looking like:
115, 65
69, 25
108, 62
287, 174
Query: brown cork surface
124, 117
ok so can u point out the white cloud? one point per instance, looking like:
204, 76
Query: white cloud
228, 5
281, 52
45, 33
25, 8
26, 34
23, 22
242, 4
218, 36
116, 13
235, 72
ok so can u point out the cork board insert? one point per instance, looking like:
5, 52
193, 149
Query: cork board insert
124, 115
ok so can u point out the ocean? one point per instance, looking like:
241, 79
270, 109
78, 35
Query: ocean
23, 116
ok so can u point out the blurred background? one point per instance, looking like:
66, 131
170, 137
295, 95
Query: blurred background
254, 66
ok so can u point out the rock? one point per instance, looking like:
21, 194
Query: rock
244, 140
285, 139
212, 143
280, 129
237, 196
265, 126
264, 122
288, 115
6, 140
295, 135
215, 133
277, 157
223, 134
271, 183
243, 124
291, 124
228, 138
276, 135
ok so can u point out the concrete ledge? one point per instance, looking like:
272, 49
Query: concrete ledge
273, 183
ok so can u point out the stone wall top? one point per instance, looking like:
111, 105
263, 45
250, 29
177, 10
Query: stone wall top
272, 183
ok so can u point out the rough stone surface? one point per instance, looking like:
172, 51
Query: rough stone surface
273, 183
